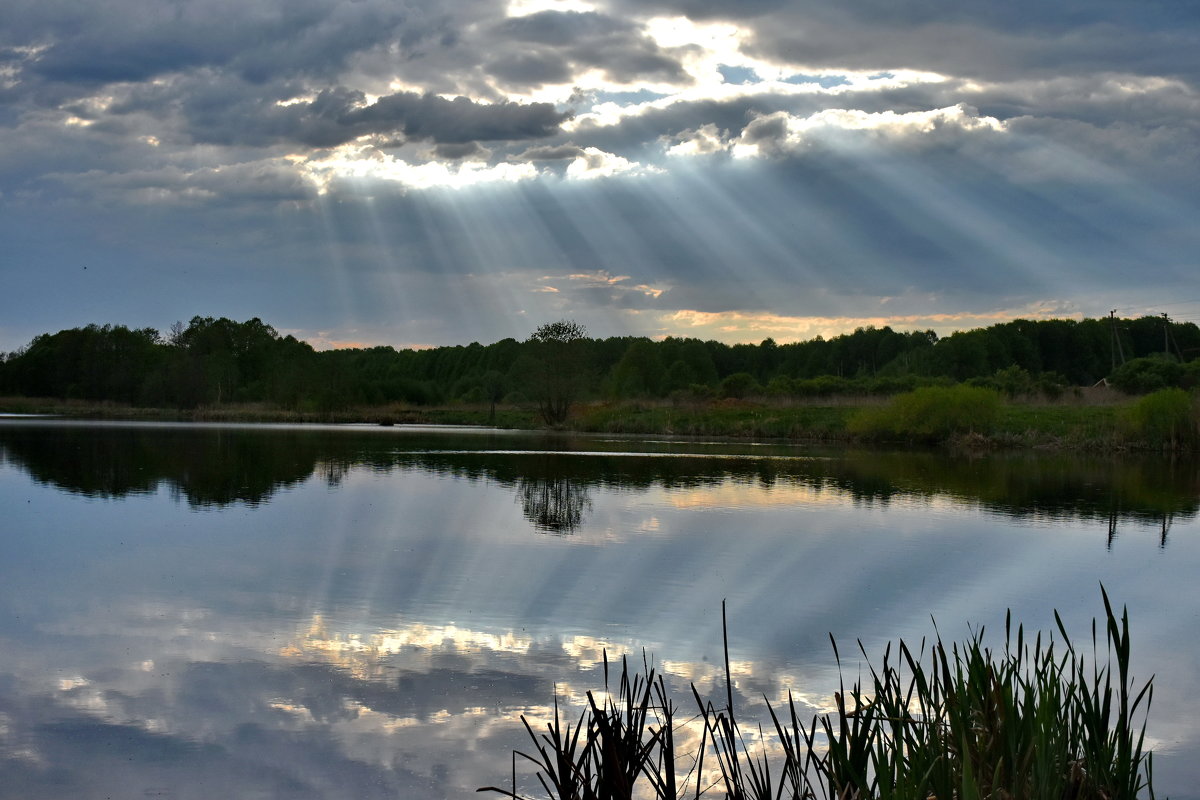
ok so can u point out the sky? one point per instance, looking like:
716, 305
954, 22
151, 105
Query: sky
418, 173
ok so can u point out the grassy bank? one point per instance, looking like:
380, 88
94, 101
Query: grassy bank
957, 416
392, 414
1168, 420
1036, 720
738, 419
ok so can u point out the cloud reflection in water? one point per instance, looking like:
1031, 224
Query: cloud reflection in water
375, 623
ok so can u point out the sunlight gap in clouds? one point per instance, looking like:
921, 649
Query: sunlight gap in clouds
753, 327
524, 8
364, 161
711, 86
365, 170
705, 49
829, 125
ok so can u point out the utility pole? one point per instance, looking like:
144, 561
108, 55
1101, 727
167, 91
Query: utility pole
1168, 332
1116, 338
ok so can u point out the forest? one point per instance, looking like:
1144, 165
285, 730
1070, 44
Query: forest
215, 361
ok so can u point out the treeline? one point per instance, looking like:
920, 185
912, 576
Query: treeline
217, 361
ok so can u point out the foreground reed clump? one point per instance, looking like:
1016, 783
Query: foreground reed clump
1035, 721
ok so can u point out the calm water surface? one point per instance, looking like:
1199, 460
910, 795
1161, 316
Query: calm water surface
265, 611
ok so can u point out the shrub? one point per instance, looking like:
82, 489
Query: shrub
515, 398
781, 386
1142, 375
931, 413
738, 385
1014, 381
822, 386
1166, 418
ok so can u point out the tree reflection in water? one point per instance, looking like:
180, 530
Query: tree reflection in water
554, 504
216, 466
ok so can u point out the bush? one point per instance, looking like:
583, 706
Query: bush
932, 413
822, 386
515, 398
781, 386
1014, 381
1142, 375
739, 385
1166, 418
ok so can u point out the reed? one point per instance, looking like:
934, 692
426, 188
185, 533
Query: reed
1037, 720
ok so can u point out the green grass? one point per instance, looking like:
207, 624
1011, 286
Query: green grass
957, 415
1036, 720
721, 418
1168, 416
396, 413
931, 414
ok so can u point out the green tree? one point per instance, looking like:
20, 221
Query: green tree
639, 372
493, 387
557, 369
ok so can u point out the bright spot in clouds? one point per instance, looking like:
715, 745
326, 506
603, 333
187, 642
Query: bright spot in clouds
366, 162
382, 172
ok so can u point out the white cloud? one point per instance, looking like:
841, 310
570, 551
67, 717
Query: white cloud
772, 134
523, 8
595, 163
710, 89
702, 141
350, 162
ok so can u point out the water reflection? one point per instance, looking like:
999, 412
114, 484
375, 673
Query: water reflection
413, 710
553, 500
368, 616
214, 466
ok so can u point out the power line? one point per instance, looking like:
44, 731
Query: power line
1158, 305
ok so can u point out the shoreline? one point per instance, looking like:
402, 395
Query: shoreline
1018, 425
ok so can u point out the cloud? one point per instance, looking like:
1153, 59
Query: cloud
968, 152
703, 141
260, 40
752, 327
583, 163
595, 163
546, 42
455, 121
556, 152
350, 166
239, 114
269, 182
463, 151
780, 133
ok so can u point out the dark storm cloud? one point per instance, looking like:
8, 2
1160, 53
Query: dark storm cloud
550, 152
458, 120
128, 41
531, 68
562, 29
769, 132
707, 9
465, 151
222, 110
980, 39
585, 40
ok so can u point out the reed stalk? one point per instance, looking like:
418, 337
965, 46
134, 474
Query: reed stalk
1039, 720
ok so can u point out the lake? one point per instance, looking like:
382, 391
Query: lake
363, 612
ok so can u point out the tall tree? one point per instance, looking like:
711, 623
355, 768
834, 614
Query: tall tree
558, 368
